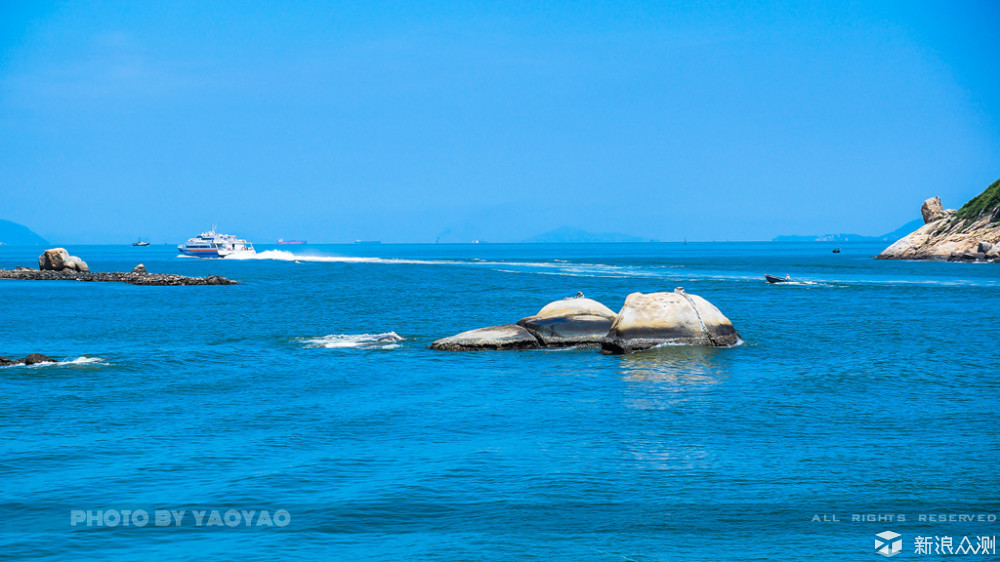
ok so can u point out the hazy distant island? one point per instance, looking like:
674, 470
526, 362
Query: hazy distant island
971, 233
566, 234
13, 234
888, 237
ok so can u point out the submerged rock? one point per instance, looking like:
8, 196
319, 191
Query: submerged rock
648, 320
5, 362
36, 358
508, 336
569, 322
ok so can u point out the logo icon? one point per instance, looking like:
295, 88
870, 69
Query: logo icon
888, 543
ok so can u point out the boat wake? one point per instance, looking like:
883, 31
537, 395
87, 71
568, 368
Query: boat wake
285, 255
388, 340
555, 267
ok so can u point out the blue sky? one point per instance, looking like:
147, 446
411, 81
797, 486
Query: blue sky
491, 121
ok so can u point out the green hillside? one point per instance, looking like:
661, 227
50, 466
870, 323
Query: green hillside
987, 202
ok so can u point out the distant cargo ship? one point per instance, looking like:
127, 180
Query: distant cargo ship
284, 242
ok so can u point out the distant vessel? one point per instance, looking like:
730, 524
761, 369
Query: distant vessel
214, 245
367, 241
140, 242
288, 242
836, 250
775, 279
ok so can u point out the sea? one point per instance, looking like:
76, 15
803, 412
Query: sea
301, 414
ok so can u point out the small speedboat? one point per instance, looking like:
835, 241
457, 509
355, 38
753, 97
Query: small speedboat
773, 279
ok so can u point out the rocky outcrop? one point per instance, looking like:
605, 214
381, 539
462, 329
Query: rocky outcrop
58, 259
33, 359
139, 269
508, 336
645, 321
570, 322
25, 274
649, 320
971, 233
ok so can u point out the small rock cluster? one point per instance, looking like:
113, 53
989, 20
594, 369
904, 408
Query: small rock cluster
57, 265
984, 251
32, 359
645, 321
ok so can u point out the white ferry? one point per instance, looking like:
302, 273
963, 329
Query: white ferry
214, 245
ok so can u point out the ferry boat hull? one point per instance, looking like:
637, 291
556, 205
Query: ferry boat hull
199, 252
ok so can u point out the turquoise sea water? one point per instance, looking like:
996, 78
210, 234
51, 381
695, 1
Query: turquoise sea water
869, 391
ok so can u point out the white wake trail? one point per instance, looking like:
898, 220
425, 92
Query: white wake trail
387, 340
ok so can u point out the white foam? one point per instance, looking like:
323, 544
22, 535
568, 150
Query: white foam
284, 255
388, 340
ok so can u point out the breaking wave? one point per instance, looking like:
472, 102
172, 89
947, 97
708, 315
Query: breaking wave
388, 340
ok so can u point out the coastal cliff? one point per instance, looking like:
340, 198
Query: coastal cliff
971, 233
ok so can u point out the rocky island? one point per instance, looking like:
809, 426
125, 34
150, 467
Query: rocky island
969, 234
645, 321
57, 265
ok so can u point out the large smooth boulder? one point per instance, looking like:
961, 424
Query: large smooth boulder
649, 320
508, 336
575, 306
54, 259
58, 259
570, 322
932, 209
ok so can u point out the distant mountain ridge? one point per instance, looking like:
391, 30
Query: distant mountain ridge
891, 236
566, 234
13, 234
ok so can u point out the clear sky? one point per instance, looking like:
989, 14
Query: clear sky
494, 121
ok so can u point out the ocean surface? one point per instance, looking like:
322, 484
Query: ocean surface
864, 400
